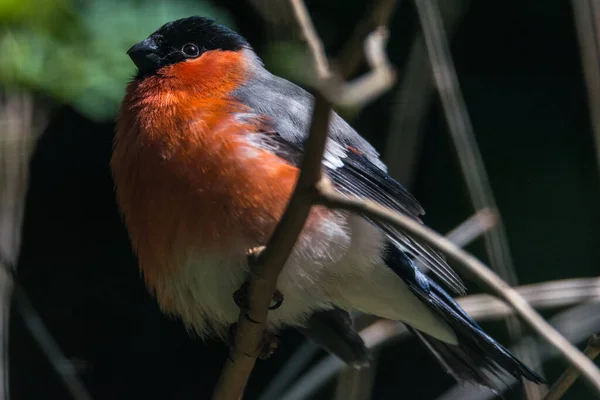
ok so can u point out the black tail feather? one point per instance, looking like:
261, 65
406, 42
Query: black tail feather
461, 362
476, 355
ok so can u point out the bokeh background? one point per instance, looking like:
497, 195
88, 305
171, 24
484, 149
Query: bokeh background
63, 70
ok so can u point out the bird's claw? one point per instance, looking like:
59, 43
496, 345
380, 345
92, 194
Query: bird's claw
240, 297
278, 299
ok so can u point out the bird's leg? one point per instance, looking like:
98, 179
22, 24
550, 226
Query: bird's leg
240, 296
269, 342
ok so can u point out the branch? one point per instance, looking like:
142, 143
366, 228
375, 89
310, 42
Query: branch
356, 384
40, 334
412, 101
568, 378
468, 264
22, 121
542, 296
312, 39
365, 89
586, 14
270, 262
379, 15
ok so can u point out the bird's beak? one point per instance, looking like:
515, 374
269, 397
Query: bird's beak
145, 55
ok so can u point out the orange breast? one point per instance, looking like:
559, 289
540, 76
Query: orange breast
185, 176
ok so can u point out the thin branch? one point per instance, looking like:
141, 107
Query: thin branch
475, 226
546, 295
468, 264
470, 158
22, 121
40, 334
366, 88
587, 14
265, 271
379, 15
312, 39
413, 99
568, 378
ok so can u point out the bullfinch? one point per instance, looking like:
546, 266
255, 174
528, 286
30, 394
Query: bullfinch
205, 159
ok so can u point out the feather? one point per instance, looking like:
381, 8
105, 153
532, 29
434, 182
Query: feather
475, 348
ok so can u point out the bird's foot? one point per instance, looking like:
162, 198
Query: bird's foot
269, 342
240, 297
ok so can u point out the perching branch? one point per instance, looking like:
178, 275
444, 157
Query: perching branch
468, 265
265, 269
568, 378
270, 262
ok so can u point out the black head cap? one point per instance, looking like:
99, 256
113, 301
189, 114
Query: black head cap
181, 40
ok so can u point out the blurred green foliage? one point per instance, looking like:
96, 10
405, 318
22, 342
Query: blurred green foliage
75, 53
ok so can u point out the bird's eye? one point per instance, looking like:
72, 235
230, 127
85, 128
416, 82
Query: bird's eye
190, 50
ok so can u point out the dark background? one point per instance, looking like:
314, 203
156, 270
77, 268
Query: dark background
519, 67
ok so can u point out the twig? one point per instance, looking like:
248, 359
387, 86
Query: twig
412, 100
40, 334
475, 226
546, 295
312, 39
581, 321
468, 264
366, 88
21, 123
470, 158
568, 378
379, 15
362, 90
270, 262
587, 14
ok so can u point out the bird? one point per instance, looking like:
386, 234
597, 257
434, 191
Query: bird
205, 158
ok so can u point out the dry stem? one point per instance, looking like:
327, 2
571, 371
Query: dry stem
468, 264
568, 378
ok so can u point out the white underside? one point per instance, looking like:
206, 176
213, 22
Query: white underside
339, 265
